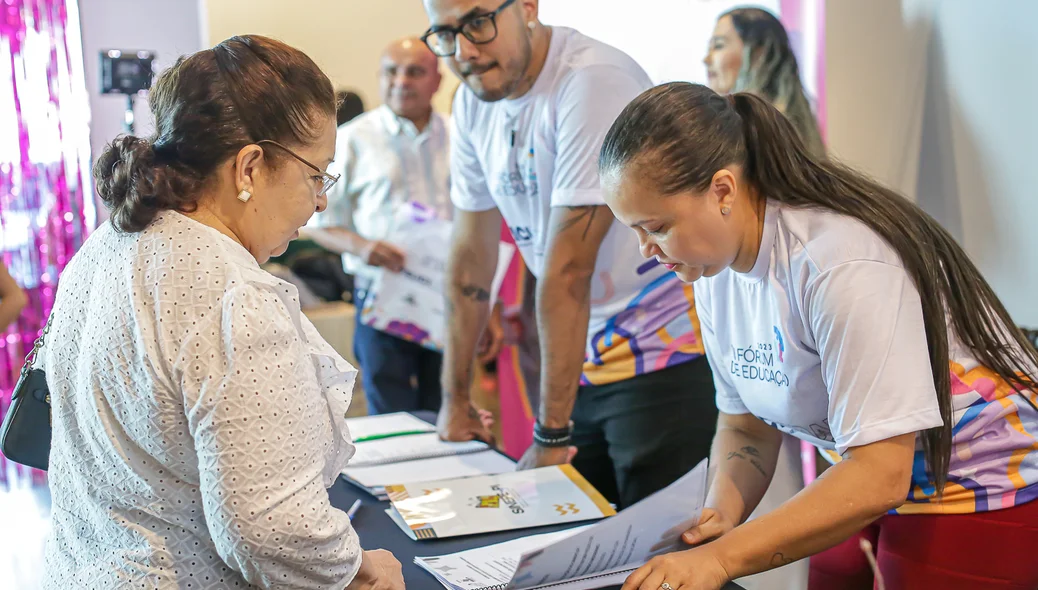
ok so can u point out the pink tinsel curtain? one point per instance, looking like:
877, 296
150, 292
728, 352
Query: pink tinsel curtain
46, 203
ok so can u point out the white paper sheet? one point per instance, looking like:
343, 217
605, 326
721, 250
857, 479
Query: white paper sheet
367, 426
485, 567
378, 476
409, 448
650, 527
593, 556
410, 304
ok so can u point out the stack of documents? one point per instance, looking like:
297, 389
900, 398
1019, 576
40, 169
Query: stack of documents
504, 502
399, 448
368, 428
603, 554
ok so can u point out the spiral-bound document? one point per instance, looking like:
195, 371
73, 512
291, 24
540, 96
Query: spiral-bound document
602, 554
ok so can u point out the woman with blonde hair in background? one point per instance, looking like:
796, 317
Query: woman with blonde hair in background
750, 52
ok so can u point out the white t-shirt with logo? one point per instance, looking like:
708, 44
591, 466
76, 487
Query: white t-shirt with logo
527, 155
824, 339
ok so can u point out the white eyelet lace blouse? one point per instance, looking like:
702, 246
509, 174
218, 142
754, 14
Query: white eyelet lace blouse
198, 419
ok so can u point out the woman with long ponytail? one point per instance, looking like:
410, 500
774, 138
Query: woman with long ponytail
835, 310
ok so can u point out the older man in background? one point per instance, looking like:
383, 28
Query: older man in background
388, 157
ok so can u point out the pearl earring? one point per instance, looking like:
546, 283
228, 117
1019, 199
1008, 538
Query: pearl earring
244, 196
726, 210
531, 25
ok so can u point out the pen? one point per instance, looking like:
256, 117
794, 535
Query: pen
390, 435
353, 510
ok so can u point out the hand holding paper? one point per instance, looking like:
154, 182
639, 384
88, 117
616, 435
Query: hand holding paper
383, 254
710, 525
408, 303
594, 556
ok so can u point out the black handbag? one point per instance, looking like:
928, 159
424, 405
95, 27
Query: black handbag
25, 435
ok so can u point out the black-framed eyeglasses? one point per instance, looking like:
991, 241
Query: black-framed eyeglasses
327, 180
479, 29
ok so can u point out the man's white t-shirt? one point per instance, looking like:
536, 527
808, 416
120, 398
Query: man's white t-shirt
824, 339
385, 163
527, 155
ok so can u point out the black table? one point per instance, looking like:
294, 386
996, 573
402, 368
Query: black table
377, 531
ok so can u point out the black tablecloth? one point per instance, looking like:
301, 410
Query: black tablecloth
377, 531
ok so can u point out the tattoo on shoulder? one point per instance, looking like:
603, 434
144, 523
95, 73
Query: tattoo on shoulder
579, 216
475, 292
779, 560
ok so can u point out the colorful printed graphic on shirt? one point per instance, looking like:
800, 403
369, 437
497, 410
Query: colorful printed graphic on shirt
994, 461
521, 179
781, 346
657, 329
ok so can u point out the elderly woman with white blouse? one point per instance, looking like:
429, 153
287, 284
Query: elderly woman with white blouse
198, 417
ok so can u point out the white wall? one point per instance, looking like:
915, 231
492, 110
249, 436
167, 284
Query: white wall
344, 37
875, 67
936, 99
169, 27
979, 141
668, 38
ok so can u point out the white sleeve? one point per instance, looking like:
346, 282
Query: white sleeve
469, 191
867, 322
726, 396
261, 432
341, 199
589, 102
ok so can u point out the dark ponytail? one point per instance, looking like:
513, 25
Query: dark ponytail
688, 132
208, 106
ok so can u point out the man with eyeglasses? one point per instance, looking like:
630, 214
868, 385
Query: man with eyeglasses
626, 393
388, 157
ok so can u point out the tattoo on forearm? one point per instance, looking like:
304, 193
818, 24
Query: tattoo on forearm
474, 292
583, 215
759, 467
753, 452
779, 560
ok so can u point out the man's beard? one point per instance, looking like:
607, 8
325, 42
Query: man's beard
521, 66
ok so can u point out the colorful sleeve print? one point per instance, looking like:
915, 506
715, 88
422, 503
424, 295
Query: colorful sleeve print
994, 461
657, 329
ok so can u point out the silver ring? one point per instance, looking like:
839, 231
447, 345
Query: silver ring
666, 586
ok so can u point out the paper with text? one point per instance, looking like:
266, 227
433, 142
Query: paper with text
410, 304
587, 557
